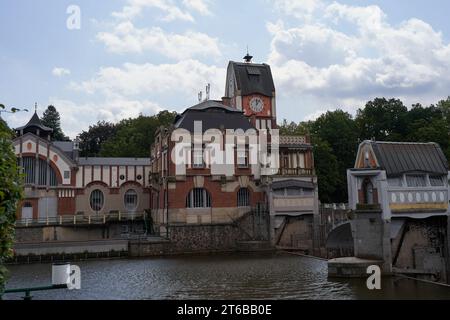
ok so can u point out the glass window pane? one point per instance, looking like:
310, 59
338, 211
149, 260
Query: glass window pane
96, 200
131, 200
416, 180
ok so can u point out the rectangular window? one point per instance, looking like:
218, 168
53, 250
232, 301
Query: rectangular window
279, 192
197, 158
66, 174
437, 181
242, 158
416, 180
258, 124
269, 124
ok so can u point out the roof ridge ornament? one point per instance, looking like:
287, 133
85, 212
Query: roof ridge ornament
248, 58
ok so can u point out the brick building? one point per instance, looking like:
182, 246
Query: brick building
199, 192
60, 183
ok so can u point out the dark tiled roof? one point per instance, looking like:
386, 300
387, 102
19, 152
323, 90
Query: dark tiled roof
66, 147
213, 115
35, 121
401, 157
210, 104
292, 184
253, 78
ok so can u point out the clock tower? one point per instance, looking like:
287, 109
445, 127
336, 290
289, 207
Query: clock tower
250, 88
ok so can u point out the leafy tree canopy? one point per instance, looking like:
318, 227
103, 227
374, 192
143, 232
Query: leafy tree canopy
336, 135
10, 195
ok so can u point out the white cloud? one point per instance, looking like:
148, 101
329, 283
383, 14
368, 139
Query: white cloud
201, 6
185, 77
59, 72
329, 63
171, 11
301, 9
76, 117
126, 38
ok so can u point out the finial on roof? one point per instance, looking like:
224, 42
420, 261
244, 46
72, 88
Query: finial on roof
35, 107
248, 58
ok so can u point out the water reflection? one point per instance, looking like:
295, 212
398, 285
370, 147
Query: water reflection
230, 276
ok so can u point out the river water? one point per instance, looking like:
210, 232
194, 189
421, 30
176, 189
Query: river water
225, 276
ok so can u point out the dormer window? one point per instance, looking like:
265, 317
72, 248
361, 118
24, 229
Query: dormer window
437, 181
416, 180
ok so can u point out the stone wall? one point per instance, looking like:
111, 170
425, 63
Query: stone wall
297, 233
77, 233
421, 246
251, 228
31, 234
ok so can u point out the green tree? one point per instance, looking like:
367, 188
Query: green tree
10, 195
135, 136
339, 131
382, 120
327, 171
293, 128
52, 119
91, 141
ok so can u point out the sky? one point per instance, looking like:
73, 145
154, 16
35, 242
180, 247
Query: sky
121, 58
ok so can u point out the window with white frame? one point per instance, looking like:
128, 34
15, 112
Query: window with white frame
197, 157
242, 157
198, 198
131, 200
243, 197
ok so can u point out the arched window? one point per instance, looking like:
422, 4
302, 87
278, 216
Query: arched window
45, 172
96, 200
198, 198
243, 197
131, 200
368, 191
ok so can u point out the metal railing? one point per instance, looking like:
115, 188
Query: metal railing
81, 219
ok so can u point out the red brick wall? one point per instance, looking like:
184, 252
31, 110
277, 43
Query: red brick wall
66, 206
219, 199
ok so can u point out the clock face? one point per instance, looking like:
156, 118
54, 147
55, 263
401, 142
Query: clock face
256, 104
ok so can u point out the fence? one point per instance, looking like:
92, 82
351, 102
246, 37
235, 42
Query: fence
81, 219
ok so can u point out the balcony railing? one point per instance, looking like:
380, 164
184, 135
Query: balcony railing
94, 219
295, 172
